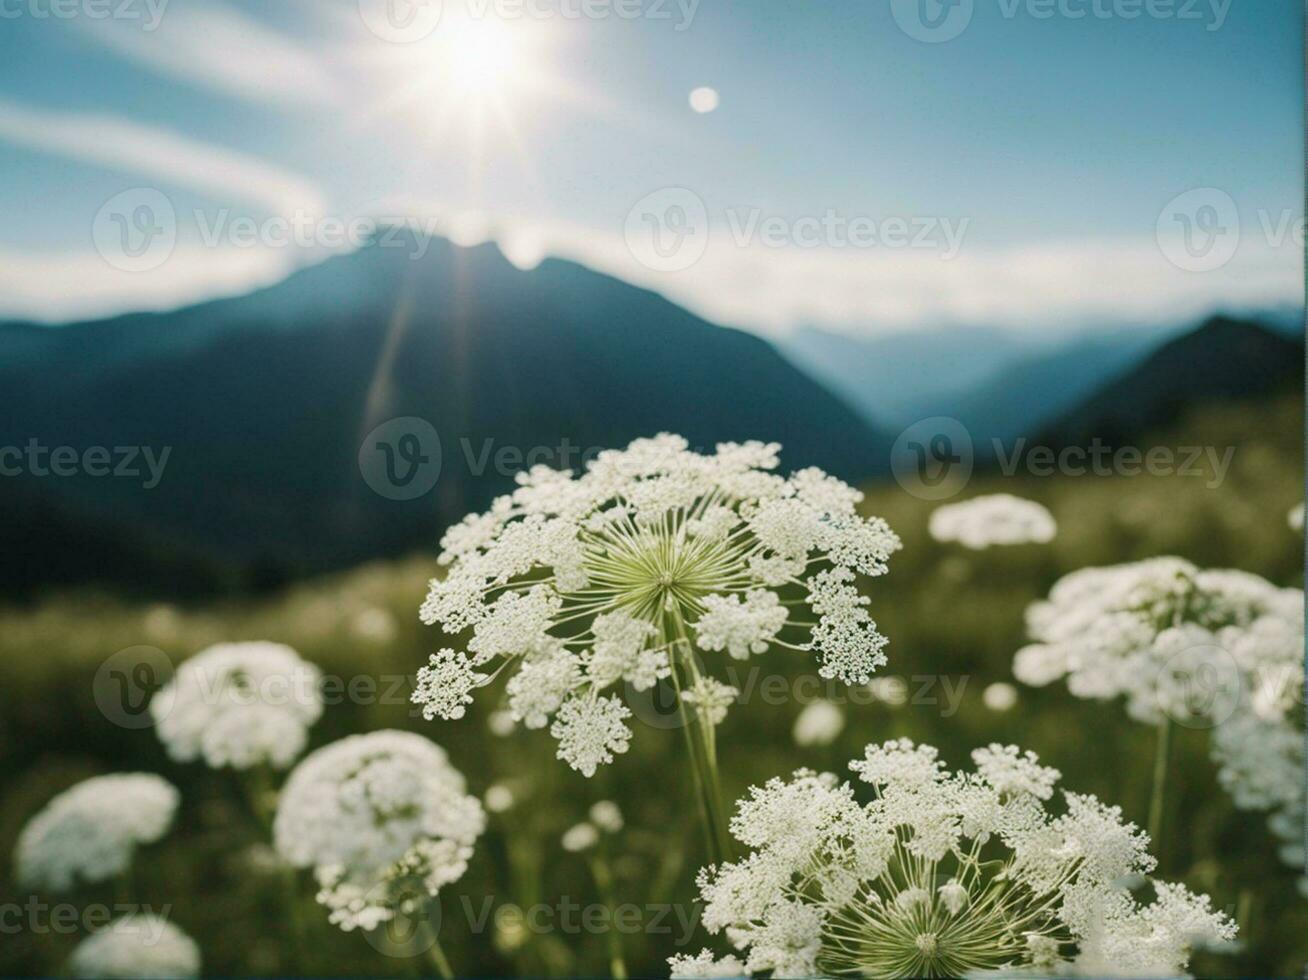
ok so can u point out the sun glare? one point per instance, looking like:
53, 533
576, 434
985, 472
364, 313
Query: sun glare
479, 57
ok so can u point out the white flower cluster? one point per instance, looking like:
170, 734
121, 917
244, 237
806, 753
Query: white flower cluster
1259, 749
136, 946
582, 582
1216, 649
239, 705
90, 833
997, 519
941, 874
377, 817
1151, 632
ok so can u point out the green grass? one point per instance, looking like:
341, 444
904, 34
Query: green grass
954, 619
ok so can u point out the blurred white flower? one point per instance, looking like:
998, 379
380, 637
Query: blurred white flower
89, 833
498, 798
1147, 632
583, 583
997, 519
999, 696
501, 724
900, 886
239, 705
136, 946
376, 625
606, 816
892, 691
820, 723
580, 837
1295, 517
377, 816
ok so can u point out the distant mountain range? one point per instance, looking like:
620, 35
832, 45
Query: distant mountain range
268, 407
266, 400
1000, 384
1224, 360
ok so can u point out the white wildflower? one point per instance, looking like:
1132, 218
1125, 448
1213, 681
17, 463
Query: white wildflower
90, 833
900, 885
376, 816
818, 724
136, 946
711, 698
580, 837
1295, 517
999, 696
606, 816
239, 705
579, 583
590, 730
498, 798
444, 687
997, 519
704, 966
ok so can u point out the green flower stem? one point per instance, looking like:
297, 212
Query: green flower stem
599, 869
1162, 752
435, 955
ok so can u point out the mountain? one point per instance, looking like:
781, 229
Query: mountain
898, 378
1024, 397
1225, 359
264, 402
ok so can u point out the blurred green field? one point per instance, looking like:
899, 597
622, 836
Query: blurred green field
954, 620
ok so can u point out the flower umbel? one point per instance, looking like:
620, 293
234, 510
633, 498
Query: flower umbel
942, 874
575, 584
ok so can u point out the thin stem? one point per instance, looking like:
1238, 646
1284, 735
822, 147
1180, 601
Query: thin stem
599, 868
435, 955
1162, 751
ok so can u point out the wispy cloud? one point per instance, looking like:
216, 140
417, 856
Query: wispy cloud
216, 47
129, 147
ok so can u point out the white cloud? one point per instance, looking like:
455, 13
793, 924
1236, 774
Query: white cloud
200, 43
133, 148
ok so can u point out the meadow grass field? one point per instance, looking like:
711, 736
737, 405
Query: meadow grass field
954, 618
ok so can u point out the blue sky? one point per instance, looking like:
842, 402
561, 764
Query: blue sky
1032, 160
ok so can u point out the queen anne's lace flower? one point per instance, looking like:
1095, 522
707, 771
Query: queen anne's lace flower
136, 946
998, 519
941, 874
1220, 649
377, 816
239, 705
1146, 631
90, 832
577, 584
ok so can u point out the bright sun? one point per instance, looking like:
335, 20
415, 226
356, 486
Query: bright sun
479, 57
